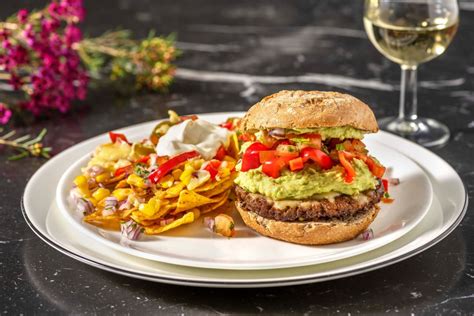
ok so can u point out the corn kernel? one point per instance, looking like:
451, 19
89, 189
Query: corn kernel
167, 181
187, 174
176, 173
229, 158
137, 181
100, 194
197, 163
149, 209
122, 194
102, 177
82, 185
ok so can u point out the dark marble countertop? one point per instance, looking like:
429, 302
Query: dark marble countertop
236, 52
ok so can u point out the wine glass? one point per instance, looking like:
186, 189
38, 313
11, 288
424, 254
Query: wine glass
411, 32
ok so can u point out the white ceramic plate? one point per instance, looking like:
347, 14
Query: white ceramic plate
193, 245
46, 221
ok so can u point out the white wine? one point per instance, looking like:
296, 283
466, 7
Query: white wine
410, 45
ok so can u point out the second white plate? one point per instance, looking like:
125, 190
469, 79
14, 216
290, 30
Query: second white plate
194, 246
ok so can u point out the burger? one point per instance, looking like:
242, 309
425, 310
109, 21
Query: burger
305, 175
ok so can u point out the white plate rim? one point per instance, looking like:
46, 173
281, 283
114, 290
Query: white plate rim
447, 229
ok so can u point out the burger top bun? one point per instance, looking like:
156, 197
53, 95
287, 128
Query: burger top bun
309, 109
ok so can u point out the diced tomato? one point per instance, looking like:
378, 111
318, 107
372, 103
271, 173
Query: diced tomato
122, 170
116, 136
385, 184
166, 167
272, 168
296, 164
266, 155
213, 167
251, 159
376, 169
314, 140
188, 117
348, 145
350, 172
143, 159
387, 200
358, 145
287, 152
161, 160
317, 156
221, 153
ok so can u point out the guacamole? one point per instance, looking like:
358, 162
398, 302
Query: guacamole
341, 132
306, 183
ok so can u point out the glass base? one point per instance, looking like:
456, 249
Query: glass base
424, 131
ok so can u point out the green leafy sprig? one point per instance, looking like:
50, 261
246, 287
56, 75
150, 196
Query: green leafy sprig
25, 145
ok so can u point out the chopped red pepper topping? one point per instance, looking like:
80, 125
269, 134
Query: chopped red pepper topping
350, 172
213, 167
116, 136
166, 167
251, 159
296, 164
272, 168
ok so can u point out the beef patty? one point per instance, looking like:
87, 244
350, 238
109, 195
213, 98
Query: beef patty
341, 207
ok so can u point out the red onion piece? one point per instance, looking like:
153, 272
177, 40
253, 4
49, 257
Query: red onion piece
368, 234
394, 181
130, 230
277, 132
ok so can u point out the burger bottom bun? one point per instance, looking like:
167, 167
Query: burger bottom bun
310, 233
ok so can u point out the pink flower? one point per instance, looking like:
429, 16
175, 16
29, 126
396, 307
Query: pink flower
72, 34
22, 15
5, 114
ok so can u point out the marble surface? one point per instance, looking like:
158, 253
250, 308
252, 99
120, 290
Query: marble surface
234, 53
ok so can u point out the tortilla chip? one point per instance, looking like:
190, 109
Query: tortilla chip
233, 149
210, 185
223, 186
186, 219
220, 200
190, 199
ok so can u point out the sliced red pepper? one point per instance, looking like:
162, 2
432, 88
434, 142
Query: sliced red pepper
296, 164
350, 172
221, 153
122, 170
213, 167
387, 200
385, 185
266, 155
143, 159
272, 168
376, 169
115, 136
251, 159
227, 125
188, 117
318, 156
358, 145
166, 167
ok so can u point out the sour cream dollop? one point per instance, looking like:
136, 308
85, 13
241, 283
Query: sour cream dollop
199, 135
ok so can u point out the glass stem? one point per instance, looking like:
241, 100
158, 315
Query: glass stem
408, 94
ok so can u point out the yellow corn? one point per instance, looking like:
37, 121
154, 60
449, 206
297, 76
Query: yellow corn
197, 163
82, 185
137, 181
224, 172
102, 177
149, 209
167, 181
187, 174
176, 173
229, 159
122, 194
174, 190
100, 194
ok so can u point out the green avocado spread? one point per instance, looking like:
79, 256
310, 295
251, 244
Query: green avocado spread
341, 132
306, 183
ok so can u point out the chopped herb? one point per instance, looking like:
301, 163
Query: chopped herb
386, 195
141, 170
340, 147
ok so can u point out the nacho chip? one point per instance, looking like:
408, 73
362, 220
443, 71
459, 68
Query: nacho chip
233, 149
220, 200
210, 185
223, 186
190, 199
186, 219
